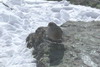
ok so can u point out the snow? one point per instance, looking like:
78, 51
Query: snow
26, 17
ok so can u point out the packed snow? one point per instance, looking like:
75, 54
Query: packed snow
25, 17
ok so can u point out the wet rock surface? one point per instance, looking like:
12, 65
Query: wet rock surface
80, 46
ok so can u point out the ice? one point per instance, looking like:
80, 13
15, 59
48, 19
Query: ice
68, 8
90, 14
4, 17
64, 15
16, 2
24, 65
66, 3
56, 8
25, 18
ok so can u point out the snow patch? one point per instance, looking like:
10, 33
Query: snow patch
25, 18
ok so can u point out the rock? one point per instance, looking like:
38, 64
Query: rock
34, 39
54, 32
80, 46
92, 3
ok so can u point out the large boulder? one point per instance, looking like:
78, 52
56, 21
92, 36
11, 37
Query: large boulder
80, 46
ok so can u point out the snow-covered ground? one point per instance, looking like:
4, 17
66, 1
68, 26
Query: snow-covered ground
26, 17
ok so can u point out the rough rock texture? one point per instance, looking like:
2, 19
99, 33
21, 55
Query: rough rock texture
92, 3
80, 46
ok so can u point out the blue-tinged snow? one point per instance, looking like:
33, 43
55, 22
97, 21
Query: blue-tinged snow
26, 17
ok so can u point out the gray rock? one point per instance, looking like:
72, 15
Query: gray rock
80, 46
92, 3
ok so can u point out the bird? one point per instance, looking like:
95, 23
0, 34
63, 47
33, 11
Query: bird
54, 32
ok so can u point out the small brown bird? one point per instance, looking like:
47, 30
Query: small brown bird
54, 32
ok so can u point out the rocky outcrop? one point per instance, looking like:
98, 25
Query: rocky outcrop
92, 3
80, 46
